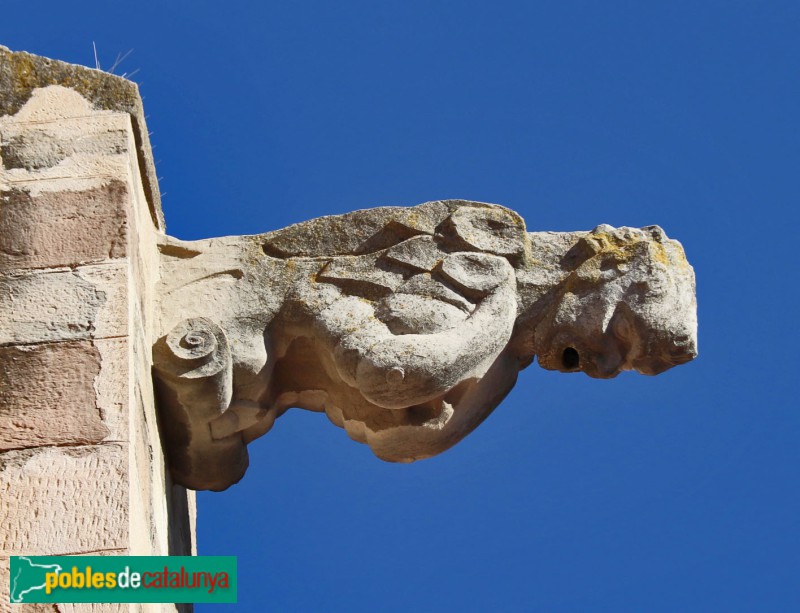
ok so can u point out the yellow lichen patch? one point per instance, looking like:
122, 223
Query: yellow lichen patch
24, 73
660, 254
624, 249
413, 219
679, 255
21, 73
605, 243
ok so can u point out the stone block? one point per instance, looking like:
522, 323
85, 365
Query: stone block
60, 305
62, 393
68, 228
64, 500
37, 144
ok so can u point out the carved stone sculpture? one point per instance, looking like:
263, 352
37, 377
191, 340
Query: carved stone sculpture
405, 326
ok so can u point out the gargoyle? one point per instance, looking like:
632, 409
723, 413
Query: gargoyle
405, 326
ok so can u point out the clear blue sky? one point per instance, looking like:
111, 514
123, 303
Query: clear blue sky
673, 493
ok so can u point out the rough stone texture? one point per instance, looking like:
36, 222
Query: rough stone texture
406, 326
23, 74
33, 230
80, 494
81, 465
72, 304
36, 409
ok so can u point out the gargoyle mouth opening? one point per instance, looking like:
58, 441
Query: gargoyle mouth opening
570, 359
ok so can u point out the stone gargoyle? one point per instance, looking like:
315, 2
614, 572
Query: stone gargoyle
405, 326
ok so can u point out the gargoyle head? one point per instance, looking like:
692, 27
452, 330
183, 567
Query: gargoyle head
627, 303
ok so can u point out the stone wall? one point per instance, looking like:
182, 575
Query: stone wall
81, 465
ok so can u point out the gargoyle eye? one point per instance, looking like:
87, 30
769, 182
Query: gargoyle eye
570, 359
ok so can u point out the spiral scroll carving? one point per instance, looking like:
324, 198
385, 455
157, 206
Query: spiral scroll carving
195, 360
193, 371
198, 348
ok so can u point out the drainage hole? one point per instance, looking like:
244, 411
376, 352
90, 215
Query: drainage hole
570, 358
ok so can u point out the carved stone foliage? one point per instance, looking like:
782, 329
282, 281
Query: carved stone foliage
405, 326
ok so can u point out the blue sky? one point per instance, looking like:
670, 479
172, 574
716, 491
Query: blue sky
678, 492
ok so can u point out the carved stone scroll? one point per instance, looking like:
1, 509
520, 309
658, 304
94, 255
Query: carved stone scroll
194, 380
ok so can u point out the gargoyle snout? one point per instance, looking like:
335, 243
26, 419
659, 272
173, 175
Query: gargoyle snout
674, 352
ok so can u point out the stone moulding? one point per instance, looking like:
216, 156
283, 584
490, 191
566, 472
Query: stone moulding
405, 326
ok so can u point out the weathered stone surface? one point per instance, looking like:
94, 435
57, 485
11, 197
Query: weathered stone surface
497, 231
112, 385
63, 228
47, 395
356, 233
39, 147
58, 142
62, 393
57, 123
407, 327
23, 74
53, 305
64, 500
81, 464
